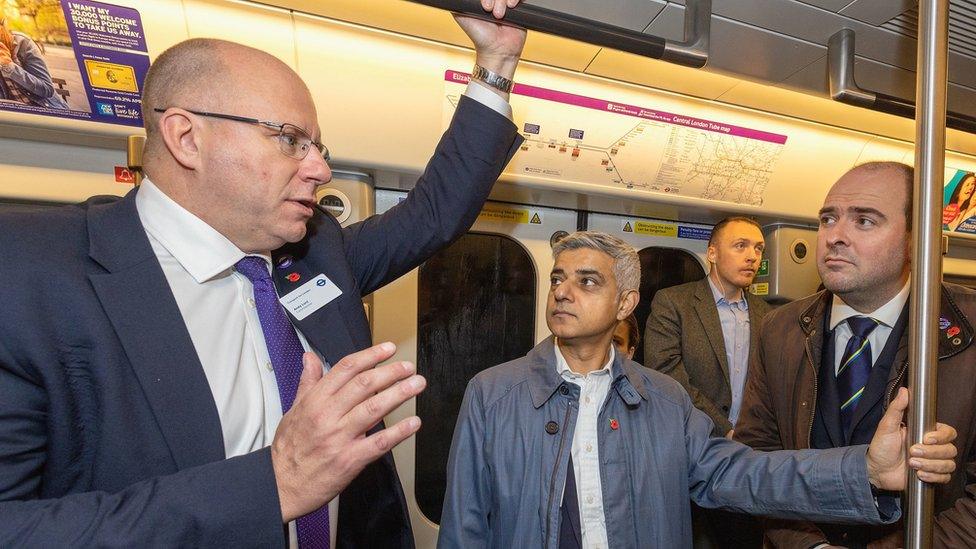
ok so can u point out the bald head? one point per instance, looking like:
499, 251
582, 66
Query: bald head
896, 175
208, 74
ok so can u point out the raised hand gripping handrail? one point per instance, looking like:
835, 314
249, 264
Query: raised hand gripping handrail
692, 52
843, 88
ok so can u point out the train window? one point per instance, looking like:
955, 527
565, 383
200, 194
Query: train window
476, 309
662, 268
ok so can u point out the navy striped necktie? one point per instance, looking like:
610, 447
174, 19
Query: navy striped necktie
855, 367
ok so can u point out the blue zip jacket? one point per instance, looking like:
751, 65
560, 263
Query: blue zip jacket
506, 470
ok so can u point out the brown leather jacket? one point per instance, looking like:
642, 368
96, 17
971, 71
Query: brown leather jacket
781, 393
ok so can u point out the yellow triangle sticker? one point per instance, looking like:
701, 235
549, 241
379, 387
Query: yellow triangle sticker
628, 228
536, 219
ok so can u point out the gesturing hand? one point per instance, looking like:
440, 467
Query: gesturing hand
933, 460
321, 443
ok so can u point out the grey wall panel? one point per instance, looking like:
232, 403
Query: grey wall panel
876, 12
743, 50
810, 79
633, 15
832, 5
961, 99
878, 77
810, 24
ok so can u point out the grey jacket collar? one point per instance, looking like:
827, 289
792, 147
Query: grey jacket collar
544, 380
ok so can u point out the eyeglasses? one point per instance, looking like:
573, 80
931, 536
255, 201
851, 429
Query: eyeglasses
292, 140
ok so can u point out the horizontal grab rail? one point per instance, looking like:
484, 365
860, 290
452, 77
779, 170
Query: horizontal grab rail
843, 88
692, 52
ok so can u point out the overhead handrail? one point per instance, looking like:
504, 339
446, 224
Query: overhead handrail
691, 52
843, 88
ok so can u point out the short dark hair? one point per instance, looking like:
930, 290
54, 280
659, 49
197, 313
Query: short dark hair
633, 332
717, 229
900, 169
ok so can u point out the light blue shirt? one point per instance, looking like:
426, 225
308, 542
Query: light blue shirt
734, 317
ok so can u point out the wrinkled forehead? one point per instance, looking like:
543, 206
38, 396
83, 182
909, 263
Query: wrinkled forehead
880, 190
585, 260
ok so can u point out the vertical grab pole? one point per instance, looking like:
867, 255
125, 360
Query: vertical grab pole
930, 118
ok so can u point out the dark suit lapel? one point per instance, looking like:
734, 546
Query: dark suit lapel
141, 307
819, 349
708, 315
326, 329
828, 405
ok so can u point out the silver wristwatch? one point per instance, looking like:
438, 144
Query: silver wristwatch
489, 78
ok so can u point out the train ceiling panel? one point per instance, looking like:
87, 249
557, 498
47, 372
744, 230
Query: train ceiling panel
962, 36
741, 49
876, 12
781, 43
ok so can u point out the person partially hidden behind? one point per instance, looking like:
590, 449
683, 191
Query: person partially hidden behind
829, 365
154, 388
575, 445
626, 336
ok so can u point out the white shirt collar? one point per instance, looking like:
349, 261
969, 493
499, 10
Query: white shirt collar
198, 247
886, 314
566, 372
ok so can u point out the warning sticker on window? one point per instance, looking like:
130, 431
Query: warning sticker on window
504, 214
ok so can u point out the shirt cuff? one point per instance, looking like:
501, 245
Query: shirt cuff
488, 98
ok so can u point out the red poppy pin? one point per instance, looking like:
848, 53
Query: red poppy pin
614, 424
952, 331
293, 277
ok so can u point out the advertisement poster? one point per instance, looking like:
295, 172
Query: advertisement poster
72, 59
959, 203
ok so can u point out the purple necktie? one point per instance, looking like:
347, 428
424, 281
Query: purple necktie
286, 357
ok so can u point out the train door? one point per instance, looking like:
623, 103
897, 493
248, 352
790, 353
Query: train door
478, 303
671, 253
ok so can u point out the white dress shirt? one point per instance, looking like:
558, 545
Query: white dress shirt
594, 388
217, 305
886, 315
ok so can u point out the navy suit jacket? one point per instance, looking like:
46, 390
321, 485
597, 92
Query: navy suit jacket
109, 434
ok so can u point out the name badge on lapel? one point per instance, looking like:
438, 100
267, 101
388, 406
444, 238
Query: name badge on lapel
310, 296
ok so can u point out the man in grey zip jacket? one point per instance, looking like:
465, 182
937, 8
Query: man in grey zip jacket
577, 446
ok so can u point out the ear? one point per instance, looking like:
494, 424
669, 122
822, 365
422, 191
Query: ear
182, 137
628, 302
710, 254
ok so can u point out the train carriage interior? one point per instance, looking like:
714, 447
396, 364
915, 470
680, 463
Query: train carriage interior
792, 95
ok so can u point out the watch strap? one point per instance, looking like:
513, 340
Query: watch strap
491, 79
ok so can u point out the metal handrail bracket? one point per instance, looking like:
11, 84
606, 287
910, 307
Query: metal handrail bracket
691, 52
843, 87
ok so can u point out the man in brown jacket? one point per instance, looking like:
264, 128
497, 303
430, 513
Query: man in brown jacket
828, 365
